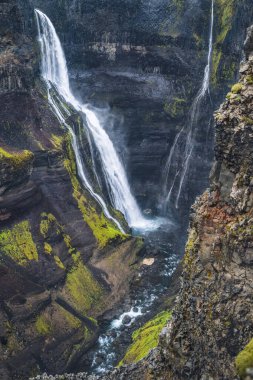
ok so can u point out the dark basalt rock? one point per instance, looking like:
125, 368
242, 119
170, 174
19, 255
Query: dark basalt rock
146, 62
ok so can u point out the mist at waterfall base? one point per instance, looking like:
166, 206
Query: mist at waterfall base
55, 72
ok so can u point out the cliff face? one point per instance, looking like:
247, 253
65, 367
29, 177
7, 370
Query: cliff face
57, 250
146, 62
213, 317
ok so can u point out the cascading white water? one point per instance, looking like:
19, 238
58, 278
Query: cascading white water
194, 115
114, 172
54, 71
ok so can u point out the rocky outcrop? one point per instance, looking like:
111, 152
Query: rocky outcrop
213, 319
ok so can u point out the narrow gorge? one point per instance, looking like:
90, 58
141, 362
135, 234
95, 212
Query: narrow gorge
126, 151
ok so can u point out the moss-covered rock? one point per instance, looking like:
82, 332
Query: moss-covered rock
145, 338
15, 166
81, 289
244, 360
18, 244
224, 13
236, 88
104, 230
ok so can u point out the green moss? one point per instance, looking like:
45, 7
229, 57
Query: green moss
145, 339
18, 243
216, 62
244, 360
224, 11
58, 262
240, 230
103, 229
58, 141
43, 326
47, 223
249, 79
48, 249
247, 120
236, 88
190, 249
70, 319
176, 107
83, 289
17, 160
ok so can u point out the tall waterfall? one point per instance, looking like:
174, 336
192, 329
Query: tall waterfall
54, 71
190, 132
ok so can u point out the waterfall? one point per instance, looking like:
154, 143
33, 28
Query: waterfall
190, 131
55, 72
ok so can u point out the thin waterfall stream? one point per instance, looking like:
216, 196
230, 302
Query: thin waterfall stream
177, 181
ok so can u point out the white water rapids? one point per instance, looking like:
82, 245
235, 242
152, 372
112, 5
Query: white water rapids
181, 172
54, 72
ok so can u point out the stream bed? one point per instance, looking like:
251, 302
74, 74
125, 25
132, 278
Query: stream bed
144, 301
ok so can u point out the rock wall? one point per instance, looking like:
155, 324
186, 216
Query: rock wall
213, 318
145, 61
57, 249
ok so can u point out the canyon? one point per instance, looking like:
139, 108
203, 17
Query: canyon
106, 140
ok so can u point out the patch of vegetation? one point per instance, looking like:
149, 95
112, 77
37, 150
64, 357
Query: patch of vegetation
48, 222
103, 229
82, 287
249, 79
247, 120
176, 108
18, 243
70, 319
17, 160
244, 360
58, 141
58, 262
225, 10
146, 338
236, 88
48, 248
43, 326
190, 249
